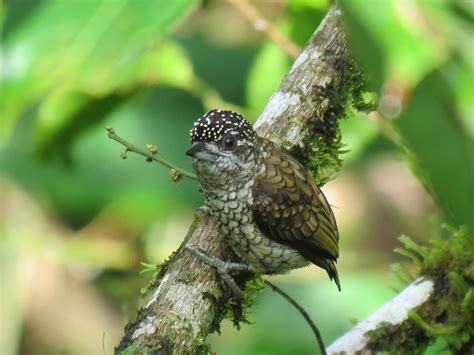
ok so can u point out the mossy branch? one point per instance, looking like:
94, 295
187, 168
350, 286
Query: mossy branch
439, 303
182, 173
187, 300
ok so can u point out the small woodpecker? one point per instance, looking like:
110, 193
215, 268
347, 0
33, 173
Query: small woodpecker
264, 202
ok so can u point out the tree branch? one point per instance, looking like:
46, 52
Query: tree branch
410, 321
439, 303
188, 301
393, 314
259, 23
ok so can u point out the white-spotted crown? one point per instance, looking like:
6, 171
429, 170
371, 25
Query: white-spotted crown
215, 124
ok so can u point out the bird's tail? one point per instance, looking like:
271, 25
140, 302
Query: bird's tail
330, 267
324, 263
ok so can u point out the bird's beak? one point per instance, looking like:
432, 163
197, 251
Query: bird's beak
198, 150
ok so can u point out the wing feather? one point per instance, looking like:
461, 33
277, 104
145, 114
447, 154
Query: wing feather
291, 209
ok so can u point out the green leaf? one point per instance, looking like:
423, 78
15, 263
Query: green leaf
69, 53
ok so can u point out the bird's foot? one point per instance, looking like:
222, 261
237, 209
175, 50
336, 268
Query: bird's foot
224, 268
202, 211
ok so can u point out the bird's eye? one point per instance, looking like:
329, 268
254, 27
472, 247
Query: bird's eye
229, 142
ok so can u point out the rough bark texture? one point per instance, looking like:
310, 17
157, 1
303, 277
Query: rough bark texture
188, 300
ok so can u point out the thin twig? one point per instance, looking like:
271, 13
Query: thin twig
148, 154
261, 24
300, 309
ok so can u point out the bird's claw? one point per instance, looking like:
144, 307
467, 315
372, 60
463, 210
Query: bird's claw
223, 267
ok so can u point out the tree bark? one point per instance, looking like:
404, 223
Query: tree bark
428, 308
188, 300
394, 315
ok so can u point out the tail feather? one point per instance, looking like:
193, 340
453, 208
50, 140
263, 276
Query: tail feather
330, 267
323, 262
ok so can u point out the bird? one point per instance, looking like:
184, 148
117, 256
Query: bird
264, 202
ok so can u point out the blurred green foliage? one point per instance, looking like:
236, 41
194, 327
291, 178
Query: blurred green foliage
420, 47
149, 68
98, 50
443, 153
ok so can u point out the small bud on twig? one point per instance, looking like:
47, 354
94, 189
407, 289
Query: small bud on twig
176, 176
151, 154
152, 148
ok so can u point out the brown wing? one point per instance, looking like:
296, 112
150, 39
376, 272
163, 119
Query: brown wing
290, 209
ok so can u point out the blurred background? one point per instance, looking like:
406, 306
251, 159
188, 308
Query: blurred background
76, 221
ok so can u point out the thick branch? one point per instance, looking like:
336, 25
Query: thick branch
188, 301
439, 303
429, 307
393, 314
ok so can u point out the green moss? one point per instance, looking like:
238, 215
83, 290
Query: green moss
397, 339
449, 312
331, 103
237, 310
159, 270
130, 350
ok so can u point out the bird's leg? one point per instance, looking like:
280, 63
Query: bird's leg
224, 268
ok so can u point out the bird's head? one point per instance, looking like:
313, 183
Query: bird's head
223, 147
